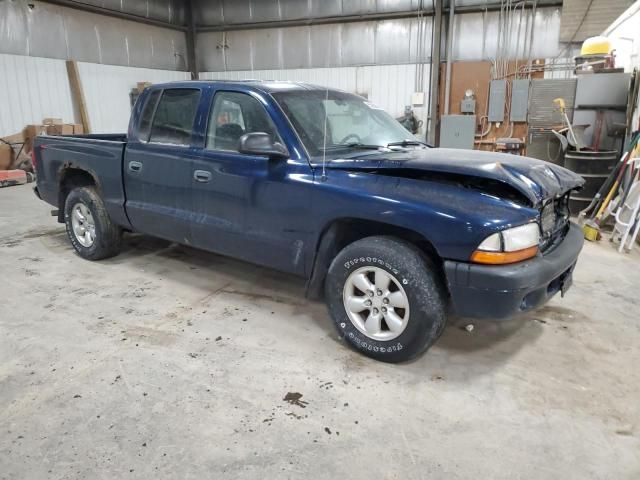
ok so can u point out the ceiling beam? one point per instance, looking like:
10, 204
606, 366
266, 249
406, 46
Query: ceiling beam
115, 14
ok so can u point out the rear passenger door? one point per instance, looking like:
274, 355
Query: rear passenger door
158, 166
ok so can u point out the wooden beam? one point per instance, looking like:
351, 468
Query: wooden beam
78, 94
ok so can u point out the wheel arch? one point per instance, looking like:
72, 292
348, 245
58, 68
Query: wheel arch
339, 233
72, 177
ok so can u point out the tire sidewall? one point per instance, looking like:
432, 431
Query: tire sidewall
81, 195
425, 303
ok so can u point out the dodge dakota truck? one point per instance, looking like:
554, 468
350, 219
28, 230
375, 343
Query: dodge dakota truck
323, 184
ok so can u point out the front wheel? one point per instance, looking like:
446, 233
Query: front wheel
90, 229
386, 298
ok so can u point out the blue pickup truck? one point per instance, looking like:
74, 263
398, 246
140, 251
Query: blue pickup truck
322, 184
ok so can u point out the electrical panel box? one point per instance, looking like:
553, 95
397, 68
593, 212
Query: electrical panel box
468, 105
457, 131
497, 94
519, 100
417, 99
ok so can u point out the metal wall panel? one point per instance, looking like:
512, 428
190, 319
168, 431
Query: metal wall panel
325, 46
265, 48
359, 7
211, 45
57, 32
381, 42
351, 44
393, 39
358, 43
292, 9
238, 54
229, 12
326, 8
237, 11
171, 11
208, 12
32, 88
295, 57
476, 35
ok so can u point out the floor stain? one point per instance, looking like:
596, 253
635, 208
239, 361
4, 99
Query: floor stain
294, 399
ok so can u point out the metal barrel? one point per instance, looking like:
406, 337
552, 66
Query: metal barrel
594, 167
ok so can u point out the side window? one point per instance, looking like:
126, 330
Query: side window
234, 114
147, 113
173, 121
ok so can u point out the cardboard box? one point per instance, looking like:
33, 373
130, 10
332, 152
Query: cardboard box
52, 121
15, 138
78, 129
64, 129
142, 85
31, 131
6, 156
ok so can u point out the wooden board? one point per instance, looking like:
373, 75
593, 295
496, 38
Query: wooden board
78, 94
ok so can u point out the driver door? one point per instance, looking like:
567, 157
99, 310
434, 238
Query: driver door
225, 182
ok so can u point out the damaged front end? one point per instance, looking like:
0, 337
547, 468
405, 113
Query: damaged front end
527, 181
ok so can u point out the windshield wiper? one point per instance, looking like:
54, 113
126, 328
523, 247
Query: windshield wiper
362, 146
407, 142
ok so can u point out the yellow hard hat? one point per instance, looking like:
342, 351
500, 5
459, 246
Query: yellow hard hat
596, 46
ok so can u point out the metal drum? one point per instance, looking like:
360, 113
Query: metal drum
594, 167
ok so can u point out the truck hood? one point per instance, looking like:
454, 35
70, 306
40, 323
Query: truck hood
535, 179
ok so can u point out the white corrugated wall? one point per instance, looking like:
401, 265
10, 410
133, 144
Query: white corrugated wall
388, 86
106, 91
32, 88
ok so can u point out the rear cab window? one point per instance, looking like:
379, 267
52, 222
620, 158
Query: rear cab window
168, 116
147, 114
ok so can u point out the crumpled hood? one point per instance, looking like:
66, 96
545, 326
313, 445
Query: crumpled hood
535, 179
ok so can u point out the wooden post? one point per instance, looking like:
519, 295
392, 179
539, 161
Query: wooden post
78, 94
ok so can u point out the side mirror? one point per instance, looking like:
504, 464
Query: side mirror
260, 143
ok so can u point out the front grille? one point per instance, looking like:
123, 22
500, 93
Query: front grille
554, 221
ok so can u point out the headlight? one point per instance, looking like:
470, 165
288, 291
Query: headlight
509, 246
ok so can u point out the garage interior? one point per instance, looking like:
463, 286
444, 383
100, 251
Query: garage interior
172, 362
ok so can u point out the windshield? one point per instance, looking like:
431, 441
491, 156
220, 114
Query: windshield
351, 121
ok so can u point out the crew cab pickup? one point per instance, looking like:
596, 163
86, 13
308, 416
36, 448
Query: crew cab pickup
325, 185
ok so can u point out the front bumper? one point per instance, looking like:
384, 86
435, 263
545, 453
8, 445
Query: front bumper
499, 292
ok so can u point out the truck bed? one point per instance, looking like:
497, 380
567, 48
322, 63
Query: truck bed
100, 155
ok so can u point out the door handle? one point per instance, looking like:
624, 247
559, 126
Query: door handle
135, 166
201, 176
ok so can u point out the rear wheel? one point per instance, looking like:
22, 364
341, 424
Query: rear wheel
386, 298
90, 229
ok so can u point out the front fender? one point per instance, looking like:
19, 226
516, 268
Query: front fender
454, 219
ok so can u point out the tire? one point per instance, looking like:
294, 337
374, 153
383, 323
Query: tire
411, 274
107, 237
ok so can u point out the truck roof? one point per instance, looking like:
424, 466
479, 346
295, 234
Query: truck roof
267, 86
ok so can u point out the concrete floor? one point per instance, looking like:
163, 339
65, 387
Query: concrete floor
174, 363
